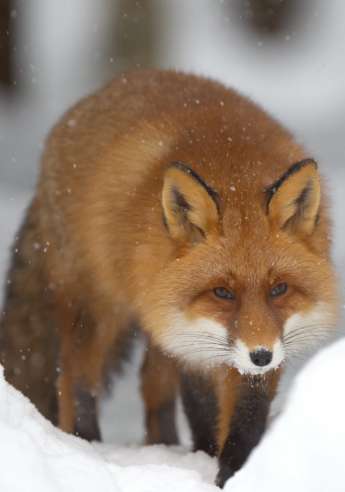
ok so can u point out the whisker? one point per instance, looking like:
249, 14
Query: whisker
309, 330
197, 341
308, 333
311, 336
312, 325
302, 339
197, 344
198, 337
184, 348
300, 351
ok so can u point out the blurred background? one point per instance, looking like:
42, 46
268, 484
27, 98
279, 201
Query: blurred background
288, 55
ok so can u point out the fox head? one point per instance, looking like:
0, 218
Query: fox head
252, 283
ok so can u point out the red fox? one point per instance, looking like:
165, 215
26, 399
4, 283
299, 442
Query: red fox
170, 202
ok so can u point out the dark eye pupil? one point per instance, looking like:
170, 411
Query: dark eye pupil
224, 293
279, 290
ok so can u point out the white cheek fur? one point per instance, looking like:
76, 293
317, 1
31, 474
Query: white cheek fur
201, 343
306, 331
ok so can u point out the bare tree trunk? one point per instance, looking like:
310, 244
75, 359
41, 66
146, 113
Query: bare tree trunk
134, 39
5, 43
267, 16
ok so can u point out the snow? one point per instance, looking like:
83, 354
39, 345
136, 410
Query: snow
37, 456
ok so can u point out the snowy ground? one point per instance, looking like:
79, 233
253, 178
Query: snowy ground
304, 450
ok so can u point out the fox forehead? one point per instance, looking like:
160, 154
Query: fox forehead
251, 258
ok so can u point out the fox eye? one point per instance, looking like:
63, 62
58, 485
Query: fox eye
279, 290
224, 293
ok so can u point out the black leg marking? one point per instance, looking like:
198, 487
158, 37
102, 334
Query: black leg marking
246, 428
86, 422
200, 406
161, 423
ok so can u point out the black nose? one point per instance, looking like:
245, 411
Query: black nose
261, 357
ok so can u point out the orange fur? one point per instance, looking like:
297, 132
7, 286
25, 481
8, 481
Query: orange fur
153, 192
159, 388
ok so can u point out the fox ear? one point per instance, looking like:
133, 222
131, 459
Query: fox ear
190, 206
294, 200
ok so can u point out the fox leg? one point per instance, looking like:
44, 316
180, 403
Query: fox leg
159, 385
28, 352
75, 389
244, 403
78, 411
200, 406
28, 337
84, 354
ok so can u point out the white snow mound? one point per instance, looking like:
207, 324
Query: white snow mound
36, 456
304, 450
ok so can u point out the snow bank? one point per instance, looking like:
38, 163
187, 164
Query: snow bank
36, 456
304, 450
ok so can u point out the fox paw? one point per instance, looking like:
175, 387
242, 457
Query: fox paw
225, 472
